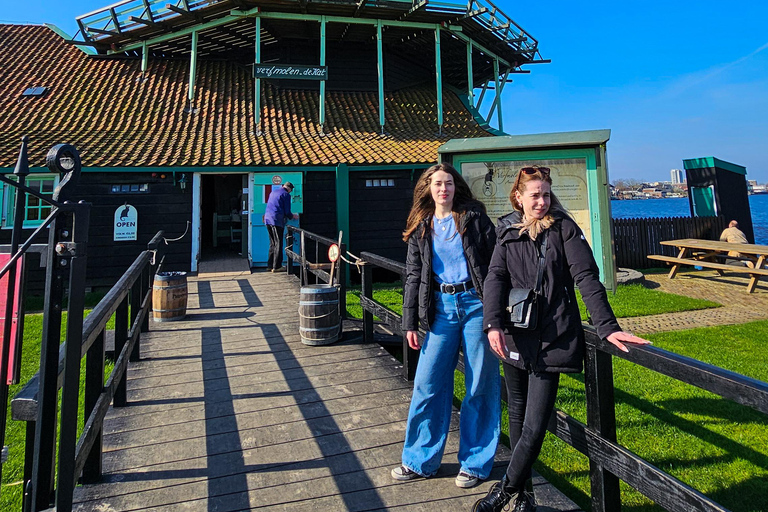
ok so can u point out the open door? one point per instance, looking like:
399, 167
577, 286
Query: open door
262, 185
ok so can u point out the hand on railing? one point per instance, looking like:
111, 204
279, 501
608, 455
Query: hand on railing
616, 338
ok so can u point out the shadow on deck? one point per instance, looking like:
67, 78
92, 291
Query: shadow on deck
228, 410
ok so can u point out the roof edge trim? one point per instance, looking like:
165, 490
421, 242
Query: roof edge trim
527, 141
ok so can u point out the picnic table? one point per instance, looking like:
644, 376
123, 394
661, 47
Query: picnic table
706, 253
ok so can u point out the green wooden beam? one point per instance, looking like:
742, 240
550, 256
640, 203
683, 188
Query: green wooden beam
175, 35
482, 48
380, 68
322, 63
497, 93
342, 205
192, 68
439, 80
470, 75
257, 82
144, 58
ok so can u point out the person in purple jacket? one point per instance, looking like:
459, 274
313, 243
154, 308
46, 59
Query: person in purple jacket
276, 217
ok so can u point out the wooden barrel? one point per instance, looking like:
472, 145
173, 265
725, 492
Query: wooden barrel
319, 322
169, 296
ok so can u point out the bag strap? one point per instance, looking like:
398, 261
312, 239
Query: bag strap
542, 255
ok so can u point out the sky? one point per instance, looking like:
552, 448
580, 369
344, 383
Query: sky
671, 80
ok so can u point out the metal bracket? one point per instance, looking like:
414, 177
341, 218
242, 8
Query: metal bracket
71, 249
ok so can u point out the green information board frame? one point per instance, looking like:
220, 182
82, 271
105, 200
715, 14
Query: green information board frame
579, 168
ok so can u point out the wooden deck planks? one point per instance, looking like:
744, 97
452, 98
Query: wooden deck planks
229, 411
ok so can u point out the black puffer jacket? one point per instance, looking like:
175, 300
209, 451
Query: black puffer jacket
557, 345
478, 241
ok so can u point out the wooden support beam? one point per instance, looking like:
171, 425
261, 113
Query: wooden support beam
360, 5
142, 21
148, 10
184, 12
380, 68
257, 81
475, 13
439, 81
144, 58
417, 6
470, 75
102, 31
113, 14
192, 69
322, 63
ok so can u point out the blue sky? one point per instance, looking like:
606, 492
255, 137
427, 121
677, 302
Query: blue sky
672, 79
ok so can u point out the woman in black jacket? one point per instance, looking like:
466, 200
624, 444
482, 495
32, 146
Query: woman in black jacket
534, 358
450, 243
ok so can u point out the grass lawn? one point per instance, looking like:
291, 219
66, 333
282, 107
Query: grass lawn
717, 447
12, 492
714, 445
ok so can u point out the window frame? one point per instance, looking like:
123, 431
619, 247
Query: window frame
9, 194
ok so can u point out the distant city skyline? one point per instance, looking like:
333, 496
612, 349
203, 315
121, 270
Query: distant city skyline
659, 76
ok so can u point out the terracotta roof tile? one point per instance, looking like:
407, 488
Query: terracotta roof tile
116, 118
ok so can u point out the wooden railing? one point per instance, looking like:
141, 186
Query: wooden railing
634, 239
308, 271
130, 299
609, 461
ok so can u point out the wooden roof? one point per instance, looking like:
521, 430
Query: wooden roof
117, 118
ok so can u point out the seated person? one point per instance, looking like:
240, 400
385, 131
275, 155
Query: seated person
732, 234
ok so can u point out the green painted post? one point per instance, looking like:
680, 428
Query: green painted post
257, 81
192, 68
498, 93
322, 82
439, 73
380, 67
470, 75
144, 57
342, 206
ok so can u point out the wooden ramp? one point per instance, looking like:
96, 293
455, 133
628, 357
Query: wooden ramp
229, 411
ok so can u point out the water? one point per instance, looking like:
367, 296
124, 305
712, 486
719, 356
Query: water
678, 207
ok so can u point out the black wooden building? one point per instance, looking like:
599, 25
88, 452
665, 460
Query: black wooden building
173, 112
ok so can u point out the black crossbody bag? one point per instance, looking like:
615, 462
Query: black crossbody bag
522, 304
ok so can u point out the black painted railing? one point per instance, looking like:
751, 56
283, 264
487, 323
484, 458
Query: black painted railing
317, 270
609, 461
130, 300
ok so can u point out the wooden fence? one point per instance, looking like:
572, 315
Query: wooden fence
635, 239
609, 461
130, 299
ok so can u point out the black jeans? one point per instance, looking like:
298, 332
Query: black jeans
275, 257
530, 401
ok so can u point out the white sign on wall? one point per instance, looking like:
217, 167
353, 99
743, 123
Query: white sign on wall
126, 223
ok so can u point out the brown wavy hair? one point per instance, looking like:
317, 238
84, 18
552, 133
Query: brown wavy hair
423, 207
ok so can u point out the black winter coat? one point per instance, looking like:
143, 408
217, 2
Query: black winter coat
557, 344
478, 241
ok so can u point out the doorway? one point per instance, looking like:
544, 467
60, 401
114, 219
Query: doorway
223, 216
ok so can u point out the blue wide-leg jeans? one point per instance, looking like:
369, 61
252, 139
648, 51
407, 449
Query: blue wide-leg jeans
458, 323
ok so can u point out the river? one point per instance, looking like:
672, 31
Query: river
678, 207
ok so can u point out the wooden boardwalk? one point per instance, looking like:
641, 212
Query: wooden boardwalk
229, 411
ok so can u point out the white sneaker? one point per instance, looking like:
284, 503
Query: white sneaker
465, 480
402, 473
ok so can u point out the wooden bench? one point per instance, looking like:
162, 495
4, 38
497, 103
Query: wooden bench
755, 273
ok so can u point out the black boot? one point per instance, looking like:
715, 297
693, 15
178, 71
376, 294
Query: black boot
524, 502
499, 495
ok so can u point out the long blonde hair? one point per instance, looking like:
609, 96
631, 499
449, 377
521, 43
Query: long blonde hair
423, 207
